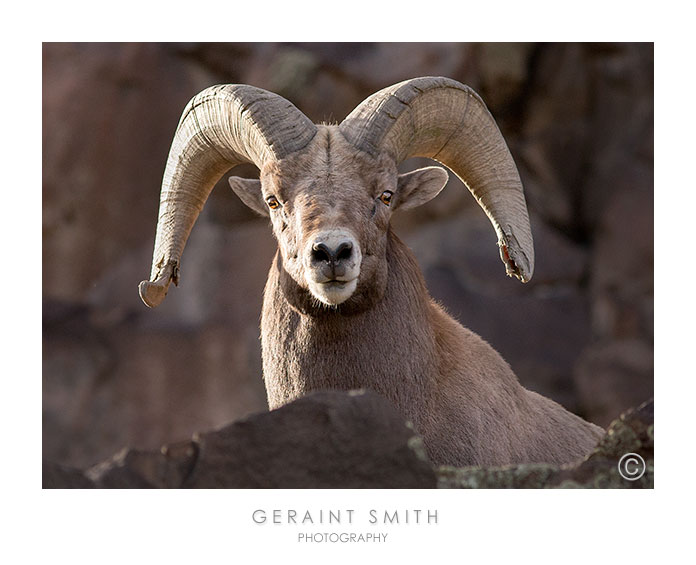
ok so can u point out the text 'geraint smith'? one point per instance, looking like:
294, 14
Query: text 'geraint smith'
344, 516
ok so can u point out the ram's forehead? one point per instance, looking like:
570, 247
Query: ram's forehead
327, 165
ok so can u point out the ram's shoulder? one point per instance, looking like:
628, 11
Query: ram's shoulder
464, 355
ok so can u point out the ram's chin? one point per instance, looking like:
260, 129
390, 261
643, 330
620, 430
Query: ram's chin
333, 293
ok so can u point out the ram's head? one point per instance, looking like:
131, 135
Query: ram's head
330, 190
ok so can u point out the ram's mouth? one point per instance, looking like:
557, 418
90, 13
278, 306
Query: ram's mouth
334, 291
336, 284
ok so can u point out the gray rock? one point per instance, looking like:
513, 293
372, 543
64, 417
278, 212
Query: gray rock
324, 440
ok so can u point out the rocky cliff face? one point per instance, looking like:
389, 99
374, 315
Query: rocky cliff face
348, 440
579, 122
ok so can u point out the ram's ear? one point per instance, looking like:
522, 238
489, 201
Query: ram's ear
419, 186
249, 191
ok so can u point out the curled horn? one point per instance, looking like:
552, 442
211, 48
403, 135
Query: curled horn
444, 120
221, 127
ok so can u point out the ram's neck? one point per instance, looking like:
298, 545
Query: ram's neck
388, 347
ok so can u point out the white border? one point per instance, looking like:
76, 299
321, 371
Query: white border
214, 526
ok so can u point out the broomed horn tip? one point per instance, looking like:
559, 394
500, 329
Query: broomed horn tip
152, 293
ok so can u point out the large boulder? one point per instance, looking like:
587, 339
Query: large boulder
324, 440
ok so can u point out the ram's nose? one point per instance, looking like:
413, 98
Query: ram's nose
323, 252
333, 254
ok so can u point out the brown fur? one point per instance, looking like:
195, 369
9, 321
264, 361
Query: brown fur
390, 336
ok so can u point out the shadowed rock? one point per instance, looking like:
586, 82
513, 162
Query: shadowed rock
324, 440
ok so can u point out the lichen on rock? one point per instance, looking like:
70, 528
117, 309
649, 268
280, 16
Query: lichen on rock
631, 433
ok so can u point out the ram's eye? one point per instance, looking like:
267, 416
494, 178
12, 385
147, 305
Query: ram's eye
386, 197
272, 202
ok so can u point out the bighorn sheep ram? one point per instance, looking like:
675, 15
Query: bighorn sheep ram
345, 305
